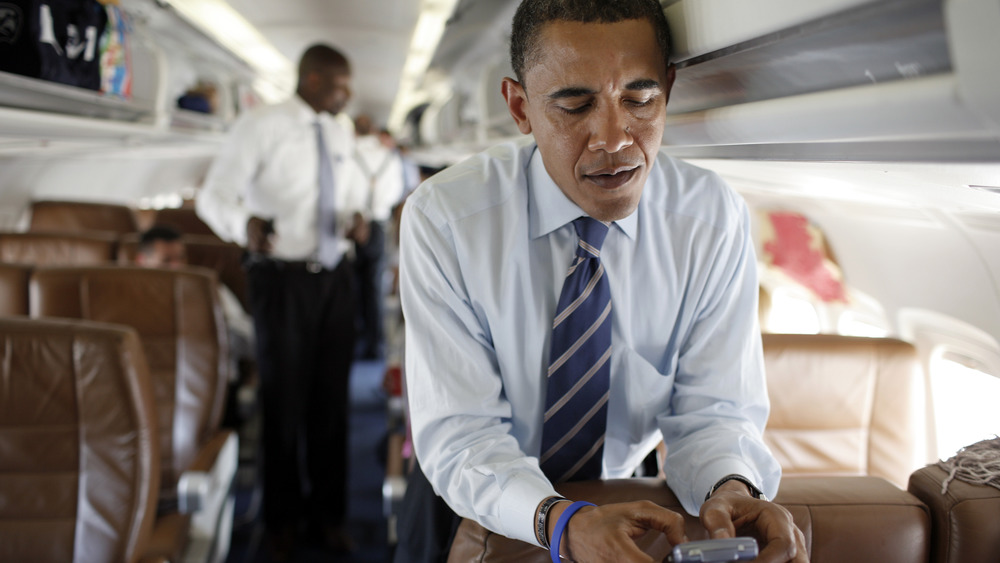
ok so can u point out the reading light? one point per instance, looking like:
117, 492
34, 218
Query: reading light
224, 24
434, 14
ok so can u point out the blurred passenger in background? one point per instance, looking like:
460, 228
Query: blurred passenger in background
383, 171
162, 246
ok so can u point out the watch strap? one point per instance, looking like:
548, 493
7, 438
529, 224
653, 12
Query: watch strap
754, 491
542, 518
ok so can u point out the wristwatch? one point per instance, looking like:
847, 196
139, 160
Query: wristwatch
754, 491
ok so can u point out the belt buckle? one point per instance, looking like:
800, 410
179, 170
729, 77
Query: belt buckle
314, 267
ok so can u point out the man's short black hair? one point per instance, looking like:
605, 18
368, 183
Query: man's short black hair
321, 57
531, 15
166, 233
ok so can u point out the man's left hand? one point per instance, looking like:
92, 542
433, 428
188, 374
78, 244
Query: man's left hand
360, 229
729, 511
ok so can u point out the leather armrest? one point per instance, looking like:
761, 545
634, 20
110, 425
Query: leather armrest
211, 473
857, 519
206, 491
966, 517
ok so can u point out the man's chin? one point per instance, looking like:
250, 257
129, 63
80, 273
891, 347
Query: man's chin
615, 210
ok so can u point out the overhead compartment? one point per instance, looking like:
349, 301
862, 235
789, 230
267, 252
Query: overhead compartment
835, 79
167, 55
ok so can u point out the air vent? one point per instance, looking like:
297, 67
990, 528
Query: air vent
989, 189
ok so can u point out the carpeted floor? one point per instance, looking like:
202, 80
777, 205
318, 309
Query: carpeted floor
366, 522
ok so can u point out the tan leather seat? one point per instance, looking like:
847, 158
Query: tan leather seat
14, 289
77, 216
79, 470
844, 405
844, 519
64, 249
185, 220
179, 319
225, 258
966, 517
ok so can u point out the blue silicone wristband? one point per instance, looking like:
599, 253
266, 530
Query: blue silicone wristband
561, 527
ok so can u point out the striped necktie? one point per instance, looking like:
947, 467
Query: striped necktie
579, 373
328, 249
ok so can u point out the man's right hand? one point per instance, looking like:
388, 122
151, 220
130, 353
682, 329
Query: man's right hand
608, 533
259, 233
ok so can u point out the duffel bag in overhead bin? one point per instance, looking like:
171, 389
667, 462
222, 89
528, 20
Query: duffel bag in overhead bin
55, 40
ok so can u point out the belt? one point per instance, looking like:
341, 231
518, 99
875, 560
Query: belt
311, 266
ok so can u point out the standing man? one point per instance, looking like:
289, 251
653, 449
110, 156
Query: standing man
572, 299
279, 186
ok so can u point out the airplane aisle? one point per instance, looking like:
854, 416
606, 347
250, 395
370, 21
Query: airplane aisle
365, 520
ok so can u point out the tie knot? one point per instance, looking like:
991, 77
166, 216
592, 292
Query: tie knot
592, 233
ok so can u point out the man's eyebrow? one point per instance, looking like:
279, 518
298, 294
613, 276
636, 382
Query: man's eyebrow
643, 84
571, 92
580, 91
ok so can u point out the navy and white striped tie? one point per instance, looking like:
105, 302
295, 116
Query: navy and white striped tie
576, 405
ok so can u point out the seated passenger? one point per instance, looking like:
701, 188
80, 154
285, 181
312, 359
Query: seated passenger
162, 247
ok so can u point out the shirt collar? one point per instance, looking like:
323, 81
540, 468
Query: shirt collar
307, 114
550, 209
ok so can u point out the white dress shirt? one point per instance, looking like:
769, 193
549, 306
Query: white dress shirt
268, 167
384, 170
485, 247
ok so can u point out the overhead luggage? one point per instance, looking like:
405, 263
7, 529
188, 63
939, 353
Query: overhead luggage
55, 40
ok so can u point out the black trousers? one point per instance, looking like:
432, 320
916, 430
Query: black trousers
368, 266
426, 524
305, 346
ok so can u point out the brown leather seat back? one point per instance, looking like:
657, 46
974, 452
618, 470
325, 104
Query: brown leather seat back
225, 258
856, 519
179, 319
965, 524
14, 289
63, 249
77, 216
844, 405
79, 467
185, 220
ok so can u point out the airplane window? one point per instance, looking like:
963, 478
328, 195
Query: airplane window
965, 400
160, 201
792, 312
853, 323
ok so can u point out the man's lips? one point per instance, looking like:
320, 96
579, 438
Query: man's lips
610, 178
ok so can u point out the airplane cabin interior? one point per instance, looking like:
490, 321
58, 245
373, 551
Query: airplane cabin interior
864, 136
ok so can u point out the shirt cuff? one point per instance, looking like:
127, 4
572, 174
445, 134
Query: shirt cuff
517, 505
711, 474
238, 219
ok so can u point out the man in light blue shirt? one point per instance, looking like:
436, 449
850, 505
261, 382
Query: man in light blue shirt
485, 247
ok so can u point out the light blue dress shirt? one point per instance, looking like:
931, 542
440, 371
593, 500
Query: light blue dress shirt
485, 246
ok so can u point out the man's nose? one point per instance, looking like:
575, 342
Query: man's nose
610, 132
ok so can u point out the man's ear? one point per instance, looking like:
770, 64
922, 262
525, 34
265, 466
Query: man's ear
516, 99
671, 75
309, 81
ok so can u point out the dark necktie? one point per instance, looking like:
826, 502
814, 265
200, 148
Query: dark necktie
576, 406
328, 249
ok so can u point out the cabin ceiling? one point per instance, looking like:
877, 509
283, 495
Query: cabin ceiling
374, 34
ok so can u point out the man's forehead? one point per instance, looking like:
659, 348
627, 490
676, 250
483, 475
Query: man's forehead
576, 55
